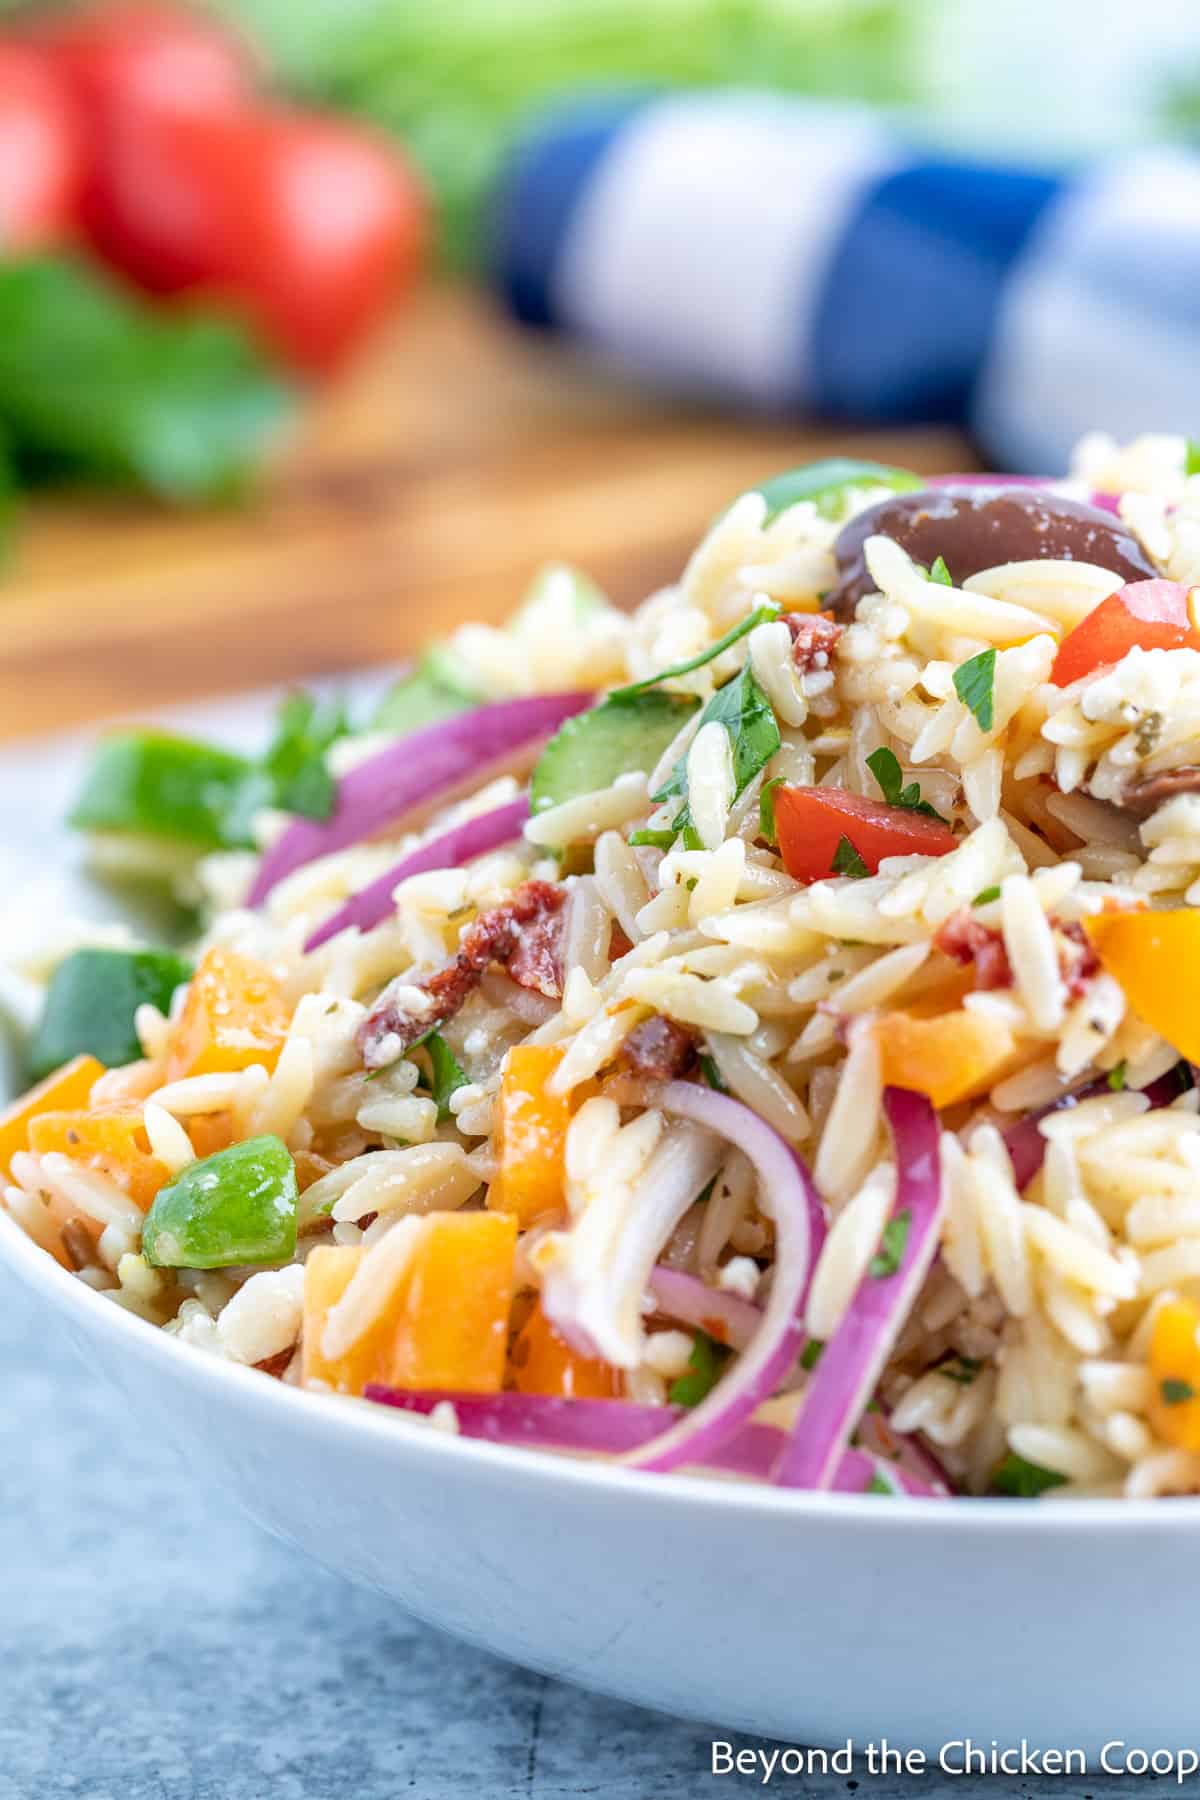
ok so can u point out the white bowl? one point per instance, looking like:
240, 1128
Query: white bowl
811, 1618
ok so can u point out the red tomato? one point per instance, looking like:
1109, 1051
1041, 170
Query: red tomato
1154, 615
812, 821
41, 161
307, 225
115, 56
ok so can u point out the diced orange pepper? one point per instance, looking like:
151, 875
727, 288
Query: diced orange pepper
1155, 957
234, 1015
1174, 1407
543, 1364
67, 1087
111, 1139
950, 1058
210, 1132
445, 1326
530, 1135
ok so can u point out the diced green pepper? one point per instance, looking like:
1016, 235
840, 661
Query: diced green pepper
91, 1003
162, 786
826, 484
238, 1206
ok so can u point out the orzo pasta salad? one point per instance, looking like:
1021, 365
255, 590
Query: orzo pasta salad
752, 1034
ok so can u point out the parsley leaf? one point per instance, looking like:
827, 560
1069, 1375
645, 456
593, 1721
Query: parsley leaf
760, 616
1176, 1392
1116, 1077
745, 712
1191, 460
884, 765
653, 840
974, 682
892, 1246
1023, 1480
985, 896
962, 1369
711, 1073
940, 573
810, 1356
878, 1485
446, 1073
847, 861
706, 1362
291, 774
766, 811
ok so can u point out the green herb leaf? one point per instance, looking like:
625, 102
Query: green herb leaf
745, 712
892, 1246
962, 1369
653, 840
1023, 1480
711, 1073
706, 1193
1176, 1392
706, 1362
985, 896
1116, 1077
973, 683
827, 484
877, 1485
940, 573
1191, 460
766, 811
810, 1356
446, 1073
760, 616
295, 761
884, 764
847, 861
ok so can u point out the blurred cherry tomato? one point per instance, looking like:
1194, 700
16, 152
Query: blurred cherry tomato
132, 52
309, 225
41, 160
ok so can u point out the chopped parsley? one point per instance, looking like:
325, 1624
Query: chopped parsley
892, 1246
706, 1362
974, 683
847, 861
1191, 457
706, 1193
1117, 1077
653, 840
878, 1485
810, 1356
962, 1369
1175, 1392
745, 712
711, 1073
766, 812
985, 896
446, 1074
1023, 1480
940, 573
884, 765
760, 616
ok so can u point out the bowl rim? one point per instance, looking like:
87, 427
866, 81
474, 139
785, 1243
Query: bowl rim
362, 1422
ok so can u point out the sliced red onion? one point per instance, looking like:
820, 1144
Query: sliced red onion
724, 1316
1027, 1147
855, 1355
615, 1427
788, 1192
1109, 503
415, 769
980, 478
876, 1436
474, 837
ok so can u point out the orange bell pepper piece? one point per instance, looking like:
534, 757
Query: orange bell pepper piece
210, 1132
67, 1087
542, 1364
234, 1015
1155, 956
446, 1324
529, 1134
1174, 1407
953, 1057
111, 1139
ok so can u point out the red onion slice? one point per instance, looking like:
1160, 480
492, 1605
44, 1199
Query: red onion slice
380, 791
787, 1189
461, 844
724, 1316
855, 1355
1027, 1147
614, 1427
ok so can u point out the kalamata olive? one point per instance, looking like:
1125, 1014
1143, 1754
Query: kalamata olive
974, 528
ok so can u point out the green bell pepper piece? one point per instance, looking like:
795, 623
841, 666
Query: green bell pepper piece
163, 786
91, 1003
238, 1206
826, 483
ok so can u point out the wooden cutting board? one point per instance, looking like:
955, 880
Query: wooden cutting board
423, 489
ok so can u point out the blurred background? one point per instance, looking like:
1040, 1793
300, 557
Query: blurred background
323, 323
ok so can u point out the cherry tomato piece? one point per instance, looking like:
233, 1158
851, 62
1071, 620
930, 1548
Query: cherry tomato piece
1151, 615
41, 152
811, 823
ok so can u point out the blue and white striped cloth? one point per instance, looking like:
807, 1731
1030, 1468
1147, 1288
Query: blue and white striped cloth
800, 257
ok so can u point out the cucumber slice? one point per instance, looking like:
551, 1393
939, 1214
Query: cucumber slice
593, 748
826, 484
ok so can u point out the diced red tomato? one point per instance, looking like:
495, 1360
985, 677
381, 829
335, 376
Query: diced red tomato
1150, 615
308, 225
41, 152
812, 821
